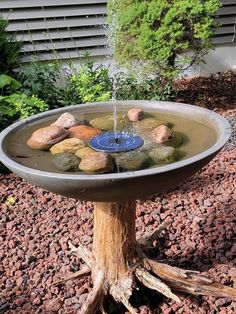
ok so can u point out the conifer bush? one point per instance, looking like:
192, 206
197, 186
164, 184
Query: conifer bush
164, 36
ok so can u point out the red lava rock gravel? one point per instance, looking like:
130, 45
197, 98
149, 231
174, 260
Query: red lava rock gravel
36, 225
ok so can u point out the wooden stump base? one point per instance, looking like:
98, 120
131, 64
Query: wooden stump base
117, 263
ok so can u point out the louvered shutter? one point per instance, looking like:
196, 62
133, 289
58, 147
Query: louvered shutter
226, 16
57, 29
67, 28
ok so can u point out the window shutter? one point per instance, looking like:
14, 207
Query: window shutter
52, 29
57, 29
226, 16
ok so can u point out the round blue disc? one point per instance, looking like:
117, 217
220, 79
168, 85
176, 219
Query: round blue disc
115, 142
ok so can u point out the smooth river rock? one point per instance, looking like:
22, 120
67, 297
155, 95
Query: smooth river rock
161, 153
148, 124
162, 134
66, 162
83, 152
132, 160
96, 162
179, 139
70, 145
135, 114
84, 132
66, 120
107, 122
45, 137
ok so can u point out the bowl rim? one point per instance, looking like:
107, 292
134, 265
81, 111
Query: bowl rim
224, 135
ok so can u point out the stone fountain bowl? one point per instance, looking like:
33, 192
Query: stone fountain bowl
127, 185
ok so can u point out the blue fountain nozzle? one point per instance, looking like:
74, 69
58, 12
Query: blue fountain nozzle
115, 142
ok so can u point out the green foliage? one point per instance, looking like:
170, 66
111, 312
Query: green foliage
24, 105
40, 79
9, 49
15, 105
92, 83
89, 83
128, 86
164, 36
8, 84
67, 95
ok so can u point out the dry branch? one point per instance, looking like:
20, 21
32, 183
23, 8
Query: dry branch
189, 281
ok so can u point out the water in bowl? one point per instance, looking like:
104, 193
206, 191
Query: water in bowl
197, 138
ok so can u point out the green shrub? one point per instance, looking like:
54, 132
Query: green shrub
40, 79
15, 105
8, 84
88, 84
164, 36
128, 86
9, 49
92, 83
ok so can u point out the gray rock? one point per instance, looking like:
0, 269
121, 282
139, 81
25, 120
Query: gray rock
148, 124
178, 139
166, 154
132, 160
66, 162
161, 153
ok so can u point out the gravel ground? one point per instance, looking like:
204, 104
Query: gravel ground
35, 226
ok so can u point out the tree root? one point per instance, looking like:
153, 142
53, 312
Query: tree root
189, 281
121, 296
147, 240
152, 274
82, 252
154, 283
85, 271
95, 297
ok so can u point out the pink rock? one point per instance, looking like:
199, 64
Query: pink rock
162, 134
135, 114
44, 138
84, 132
19, 281
54, 305
96, 162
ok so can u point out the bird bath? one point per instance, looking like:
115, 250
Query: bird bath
118, 261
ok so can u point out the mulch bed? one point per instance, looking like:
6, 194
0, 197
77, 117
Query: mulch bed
214, 91
36, 225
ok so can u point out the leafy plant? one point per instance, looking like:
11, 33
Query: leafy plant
15, 105
163, 36
92, 83
40, 79
8, 84
10, 49
129, 86
24, 105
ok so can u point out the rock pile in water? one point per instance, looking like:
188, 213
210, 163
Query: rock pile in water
68, 142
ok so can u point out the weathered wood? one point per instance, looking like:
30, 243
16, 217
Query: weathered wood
83, 253
77, 275
95, 297
189, 281
148, 238
114, 242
